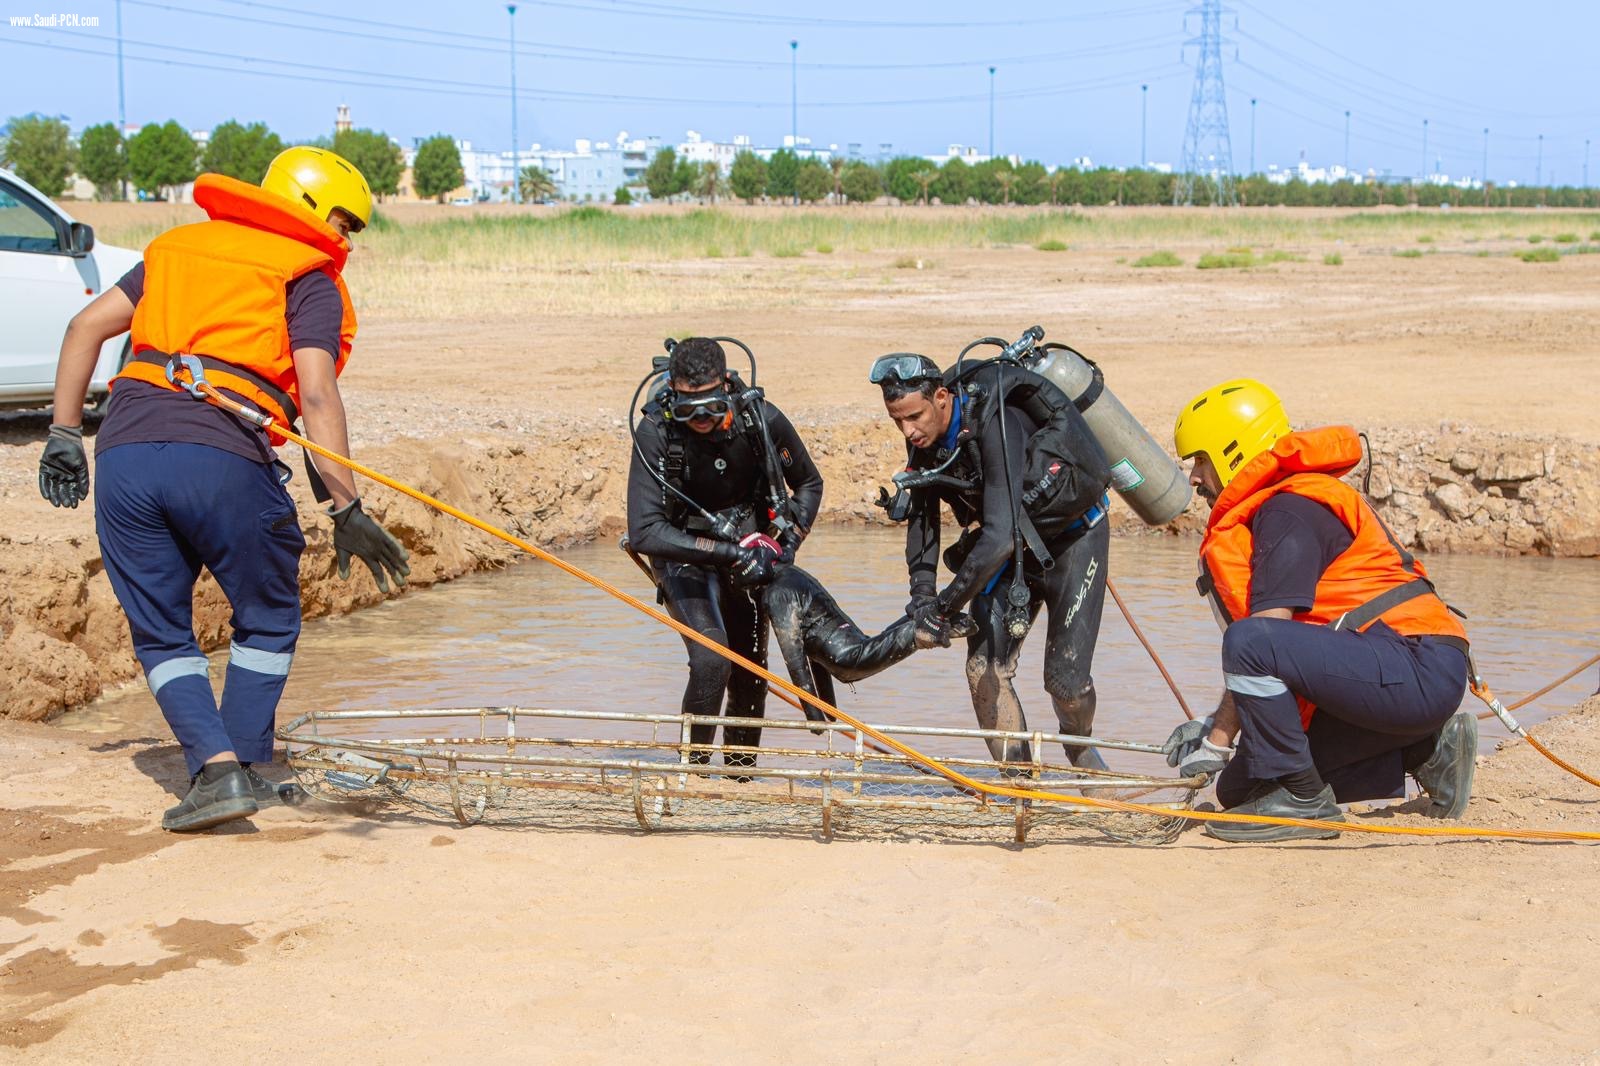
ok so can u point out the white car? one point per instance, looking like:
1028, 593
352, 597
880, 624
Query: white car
50, 268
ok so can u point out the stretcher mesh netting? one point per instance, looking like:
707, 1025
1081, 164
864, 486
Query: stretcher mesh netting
562, 769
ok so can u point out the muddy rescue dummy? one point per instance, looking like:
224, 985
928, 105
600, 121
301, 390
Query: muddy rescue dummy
253, 298
710, 504
1343, 668
1016, 464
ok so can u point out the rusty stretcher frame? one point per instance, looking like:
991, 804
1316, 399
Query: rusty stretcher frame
844, 771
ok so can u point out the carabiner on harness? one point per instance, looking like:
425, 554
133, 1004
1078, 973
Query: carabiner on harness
197, 374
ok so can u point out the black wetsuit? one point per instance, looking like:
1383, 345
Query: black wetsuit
1071, 590
819, 642
722, 471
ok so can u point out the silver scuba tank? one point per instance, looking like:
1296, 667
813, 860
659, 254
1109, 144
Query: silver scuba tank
1141, 471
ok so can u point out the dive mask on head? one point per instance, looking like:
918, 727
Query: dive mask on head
904, 367
687, 406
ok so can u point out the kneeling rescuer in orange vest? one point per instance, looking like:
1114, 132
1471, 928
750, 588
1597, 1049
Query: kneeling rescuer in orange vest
1344, 669
254, 299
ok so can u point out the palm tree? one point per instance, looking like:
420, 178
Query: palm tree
836, 164
710, 181
537, 184
1053, 181
925, 178
1005, 179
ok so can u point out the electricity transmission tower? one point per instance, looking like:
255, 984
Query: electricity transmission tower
1207, 152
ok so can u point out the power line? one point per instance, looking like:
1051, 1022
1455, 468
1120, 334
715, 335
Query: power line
421, 83
700, 14
581, 53
1444, 102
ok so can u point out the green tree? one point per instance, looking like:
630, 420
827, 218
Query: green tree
748, 176
537, 184
812, 182
161, 158
622, 197
861, 183
437, 168
900, 177
40, 150
781, 171
955, 182
836, 166
986, 185
377, 157
242, 152
659, 175
103, 159
685, 177
1052, 183
924, 179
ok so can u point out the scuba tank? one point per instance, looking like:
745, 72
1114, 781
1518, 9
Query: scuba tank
1143, 474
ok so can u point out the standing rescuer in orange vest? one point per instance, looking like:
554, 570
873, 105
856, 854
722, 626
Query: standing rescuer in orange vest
254, 299
1344, 669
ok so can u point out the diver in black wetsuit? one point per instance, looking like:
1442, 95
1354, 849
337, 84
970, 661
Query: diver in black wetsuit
819, 642
1013, 459
699, 492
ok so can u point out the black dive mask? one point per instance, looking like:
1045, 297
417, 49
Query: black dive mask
685, 406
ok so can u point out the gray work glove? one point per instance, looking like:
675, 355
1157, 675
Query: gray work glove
1191, 751
64, 468
355, 533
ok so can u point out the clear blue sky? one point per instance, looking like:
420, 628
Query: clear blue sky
912, 74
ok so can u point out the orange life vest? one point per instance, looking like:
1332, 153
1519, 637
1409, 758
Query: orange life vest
1375, 578
217, 290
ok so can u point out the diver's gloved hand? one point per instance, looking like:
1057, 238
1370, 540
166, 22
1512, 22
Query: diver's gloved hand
921, 595
1189, 748
355, 533
789, 540
64, 468
932, 623
753, 559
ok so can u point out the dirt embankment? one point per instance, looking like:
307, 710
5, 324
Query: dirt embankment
63, 638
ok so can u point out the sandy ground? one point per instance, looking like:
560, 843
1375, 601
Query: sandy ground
330, 935
319, 936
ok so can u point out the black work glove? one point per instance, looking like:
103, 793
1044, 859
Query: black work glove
64, 468
752, 560
921, 595
931, 620
355, 533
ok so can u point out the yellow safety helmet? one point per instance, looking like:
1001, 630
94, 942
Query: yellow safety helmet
321, 182
1231, 423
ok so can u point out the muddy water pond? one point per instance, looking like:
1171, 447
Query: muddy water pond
533, 637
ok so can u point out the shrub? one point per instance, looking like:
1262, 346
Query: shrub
1282, 257
1227, 261
1595, 236
1534, 238
825, 249
1539, 255
912, 262
1409, 253
786, 251
713, 252
1333, 259
1566, 238
1051, 246
1241, 250
1426, 238
1158, 259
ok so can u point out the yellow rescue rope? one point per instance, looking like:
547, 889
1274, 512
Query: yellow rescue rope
204, 389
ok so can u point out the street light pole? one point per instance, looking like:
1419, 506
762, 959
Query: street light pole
1586, 162
794, 109
516, 163
1144, 125
122, 106
991, 112
1538, 166
1424, 149
1486, 156
1347, 144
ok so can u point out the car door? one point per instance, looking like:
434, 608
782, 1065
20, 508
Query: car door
41, 288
